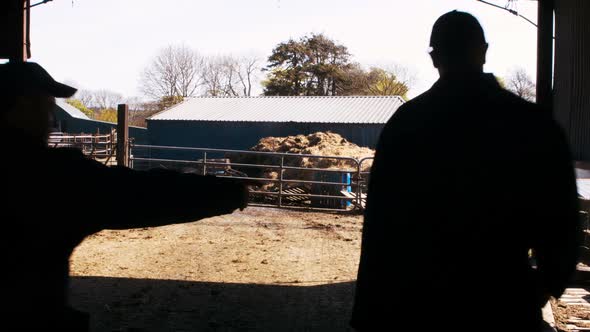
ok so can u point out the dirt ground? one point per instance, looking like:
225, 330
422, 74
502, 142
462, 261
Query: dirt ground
258, 270
262, 269
572, 311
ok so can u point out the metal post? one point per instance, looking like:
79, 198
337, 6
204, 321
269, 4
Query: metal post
204, 163
358, 185
545, 53
92, 147
109, 145
130, 154
281, 170
122, 135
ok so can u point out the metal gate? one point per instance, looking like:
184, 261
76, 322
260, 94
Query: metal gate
287, 180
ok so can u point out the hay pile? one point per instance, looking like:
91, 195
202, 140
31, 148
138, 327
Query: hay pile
320, 144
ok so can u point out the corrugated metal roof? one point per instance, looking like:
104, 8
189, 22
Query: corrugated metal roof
71, 110
361, 109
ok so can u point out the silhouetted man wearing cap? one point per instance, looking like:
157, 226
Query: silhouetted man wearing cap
467, 179
48, 202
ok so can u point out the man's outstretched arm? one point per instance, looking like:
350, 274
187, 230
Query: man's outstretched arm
132, 199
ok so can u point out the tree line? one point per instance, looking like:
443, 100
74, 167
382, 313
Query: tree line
313, 65
317, 66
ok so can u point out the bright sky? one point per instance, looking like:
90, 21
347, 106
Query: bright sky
105, 44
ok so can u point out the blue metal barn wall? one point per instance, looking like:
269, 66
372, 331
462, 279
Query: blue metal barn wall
244, 135
72, 125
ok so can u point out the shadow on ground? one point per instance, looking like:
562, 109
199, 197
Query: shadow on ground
121, 304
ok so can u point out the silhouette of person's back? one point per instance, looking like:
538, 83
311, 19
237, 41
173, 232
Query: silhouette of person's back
54, 198
467, 179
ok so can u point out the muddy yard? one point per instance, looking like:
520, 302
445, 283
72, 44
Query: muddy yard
262, 269
257, 270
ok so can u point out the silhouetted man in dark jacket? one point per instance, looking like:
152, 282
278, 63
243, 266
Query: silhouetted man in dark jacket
467, 179
54, 198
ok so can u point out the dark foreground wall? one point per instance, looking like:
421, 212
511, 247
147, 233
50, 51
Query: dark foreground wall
572, 73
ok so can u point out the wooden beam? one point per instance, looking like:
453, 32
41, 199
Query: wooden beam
14, 30
123, 135
545, 53
27, 31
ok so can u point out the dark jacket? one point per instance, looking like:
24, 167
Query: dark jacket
467, 178
54, 198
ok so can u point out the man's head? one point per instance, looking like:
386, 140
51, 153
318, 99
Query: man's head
27, 98
458, 43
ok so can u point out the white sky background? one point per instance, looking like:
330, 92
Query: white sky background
105, 44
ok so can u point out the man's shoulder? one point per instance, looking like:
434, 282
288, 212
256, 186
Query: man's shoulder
417, 102
520, 107
507, 96
412, 111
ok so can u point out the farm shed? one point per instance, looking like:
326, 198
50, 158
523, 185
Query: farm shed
71, 120
240, 122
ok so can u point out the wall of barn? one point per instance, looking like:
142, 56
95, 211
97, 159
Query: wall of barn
244, 135
71, 125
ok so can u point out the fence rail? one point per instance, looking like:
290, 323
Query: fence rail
285, 181
99, 147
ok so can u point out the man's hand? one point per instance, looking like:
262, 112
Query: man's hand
241, 186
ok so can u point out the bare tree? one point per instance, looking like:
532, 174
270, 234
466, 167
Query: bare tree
519, 82
393, 80
248, 69
105, 99
85, 96
159, 78
134, 103
403, 74
140, 110
221, 77
229, 76
213, 77
178, 71
175, 71
189, 69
